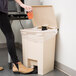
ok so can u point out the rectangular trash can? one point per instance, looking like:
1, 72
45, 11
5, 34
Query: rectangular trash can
39, 46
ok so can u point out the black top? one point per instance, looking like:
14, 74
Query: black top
4, 6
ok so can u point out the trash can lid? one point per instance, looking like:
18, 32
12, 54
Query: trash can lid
44, 15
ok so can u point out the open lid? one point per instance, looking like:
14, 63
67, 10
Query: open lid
44, 15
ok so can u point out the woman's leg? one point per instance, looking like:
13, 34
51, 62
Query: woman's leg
7, 30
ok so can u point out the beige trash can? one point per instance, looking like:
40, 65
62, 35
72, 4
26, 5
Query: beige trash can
39, 46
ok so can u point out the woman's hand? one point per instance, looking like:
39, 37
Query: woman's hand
26, 7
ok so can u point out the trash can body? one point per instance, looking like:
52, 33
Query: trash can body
39, 46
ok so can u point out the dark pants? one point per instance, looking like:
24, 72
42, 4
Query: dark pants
7, 30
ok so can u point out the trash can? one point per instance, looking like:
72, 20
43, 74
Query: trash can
39, 46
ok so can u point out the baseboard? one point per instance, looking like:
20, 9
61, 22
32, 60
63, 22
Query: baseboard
65, 69
4, 45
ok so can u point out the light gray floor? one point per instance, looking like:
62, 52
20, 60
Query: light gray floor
8, 72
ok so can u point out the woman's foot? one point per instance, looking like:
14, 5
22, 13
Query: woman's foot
20, 68
1, 68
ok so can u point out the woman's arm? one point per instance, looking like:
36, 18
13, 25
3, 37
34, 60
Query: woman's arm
28, 8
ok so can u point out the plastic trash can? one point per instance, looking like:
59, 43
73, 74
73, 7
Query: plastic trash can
39, 46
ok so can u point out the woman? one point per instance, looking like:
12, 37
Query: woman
5, 26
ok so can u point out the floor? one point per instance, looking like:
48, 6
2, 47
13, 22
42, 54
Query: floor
8, 72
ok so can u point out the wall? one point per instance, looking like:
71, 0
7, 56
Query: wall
66, 39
